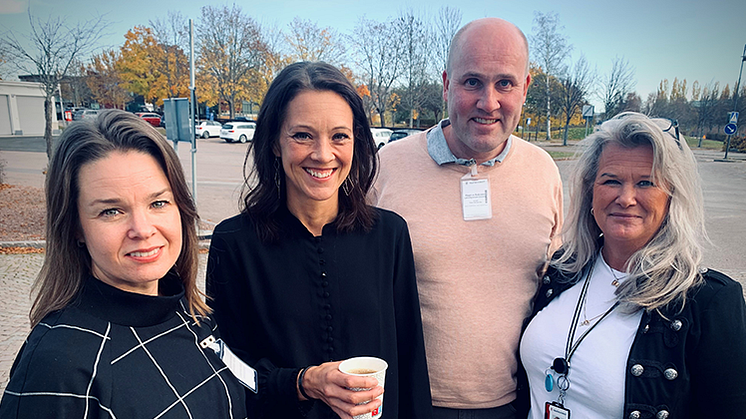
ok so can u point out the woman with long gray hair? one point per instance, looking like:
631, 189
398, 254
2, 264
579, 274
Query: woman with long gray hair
627, 323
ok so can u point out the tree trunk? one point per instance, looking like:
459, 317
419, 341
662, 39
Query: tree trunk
564, 138
48, 126
549, 122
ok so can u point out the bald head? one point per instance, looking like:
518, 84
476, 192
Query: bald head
481, 30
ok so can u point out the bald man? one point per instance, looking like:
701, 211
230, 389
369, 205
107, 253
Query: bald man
484, 210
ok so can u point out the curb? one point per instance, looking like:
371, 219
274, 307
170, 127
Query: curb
203, 236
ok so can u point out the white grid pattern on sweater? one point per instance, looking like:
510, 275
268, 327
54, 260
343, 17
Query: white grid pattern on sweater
105, 338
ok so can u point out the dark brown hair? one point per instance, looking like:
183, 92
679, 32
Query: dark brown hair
266, 198
66, 264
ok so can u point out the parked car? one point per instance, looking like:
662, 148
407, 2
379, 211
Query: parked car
242, 119
398, 134
238, 131
85, 114
206, 129
380, 136
152, 118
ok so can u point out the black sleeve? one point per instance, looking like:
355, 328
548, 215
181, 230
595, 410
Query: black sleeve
719, 361
228, 292
414, 384
50, 379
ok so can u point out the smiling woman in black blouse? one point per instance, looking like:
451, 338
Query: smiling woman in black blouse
308, 274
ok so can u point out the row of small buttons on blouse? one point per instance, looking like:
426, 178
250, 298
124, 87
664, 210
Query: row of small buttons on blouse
324, 292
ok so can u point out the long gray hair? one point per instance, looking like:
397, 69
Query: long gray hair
663, 270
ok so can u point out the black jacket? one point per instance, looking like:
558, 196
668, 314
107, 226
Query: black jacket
682, 364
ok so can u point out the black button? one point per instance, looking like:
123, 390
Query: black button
320, 250
322, 261
330, 339
330, 329
327, 306
330, 349
323, 274
326, 294
328, 316
325, 284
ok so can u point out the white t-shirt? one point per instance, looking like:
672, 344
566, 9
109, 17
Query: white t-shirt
597, 367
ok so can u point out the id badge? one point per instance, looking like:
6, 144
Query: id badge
555, 410
244, 373
476, 202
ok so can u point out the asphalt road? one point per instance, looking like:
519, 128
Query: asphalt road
220, 172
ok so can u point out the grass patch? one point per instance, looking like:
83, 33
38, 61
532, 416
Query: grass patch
706, 144
561, 155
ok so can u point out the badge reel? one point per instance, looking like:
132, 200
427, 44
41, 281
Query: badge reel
557, 410
476, 202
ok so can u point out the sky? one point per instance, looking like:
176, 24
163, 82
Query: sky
661, 39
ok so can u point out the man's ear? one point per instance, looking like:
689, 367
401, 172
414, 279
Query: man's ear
446, 82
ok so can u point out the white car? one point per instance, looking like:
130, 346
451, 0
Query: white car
238, 131
207, 129
381, 136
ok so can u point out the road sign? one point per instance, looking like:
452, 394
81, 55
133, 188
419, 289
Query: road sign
587, 111
732, 117
731, 129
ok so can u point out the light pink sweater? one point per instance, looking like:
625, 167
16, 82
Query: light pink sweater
475, 278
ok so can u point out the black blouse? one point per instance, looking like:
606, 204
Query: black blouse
308, 300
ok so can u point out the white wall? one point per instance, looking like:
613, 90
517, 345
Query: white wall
22, 108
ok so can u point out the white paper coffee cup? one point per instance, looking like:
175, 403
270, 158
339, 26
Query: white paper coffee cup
367, 366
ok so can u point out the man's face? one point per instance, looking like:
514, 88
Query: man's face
485, 90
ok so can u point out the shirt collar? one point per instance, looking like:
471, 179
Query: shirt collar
438, 149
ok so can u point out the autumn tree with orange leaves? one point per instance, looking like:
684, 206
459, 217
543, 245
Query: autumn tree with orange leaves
104, 81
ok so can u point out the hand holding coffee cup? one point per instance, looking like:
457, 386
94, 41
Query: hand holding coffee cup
366, 367
327, 383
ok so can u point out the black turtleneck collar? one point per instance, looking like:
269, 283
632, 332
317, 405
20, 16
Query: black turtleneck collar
128, 308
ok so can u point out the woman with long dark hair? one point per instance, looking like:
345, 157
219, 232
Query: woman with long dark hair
308, 274
119, 327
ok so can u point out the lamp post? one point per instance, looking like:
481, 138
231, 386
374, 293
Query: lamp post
735, 98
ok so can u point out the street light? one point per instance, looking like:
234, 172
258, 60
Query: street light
735, 98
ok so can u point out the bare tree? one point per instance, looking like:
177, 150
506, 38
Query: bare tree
616, 86
576, 87
308, 42
447, 23
706, 104
52, 48
550, 50
378, 48
413, 31
230, 48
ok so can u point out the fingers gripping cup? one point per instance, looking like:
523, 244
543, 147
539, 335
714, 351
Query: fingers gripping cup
366, 366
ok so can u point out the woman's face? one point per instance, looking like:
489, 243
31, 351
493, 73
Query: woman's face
628, 207
130, 222
316, 147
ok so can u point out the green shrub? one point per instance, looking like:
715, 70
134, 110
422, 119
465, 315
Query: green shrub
737, 143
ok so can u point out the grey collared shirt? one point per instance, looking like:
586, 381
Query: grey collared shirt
438, 149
